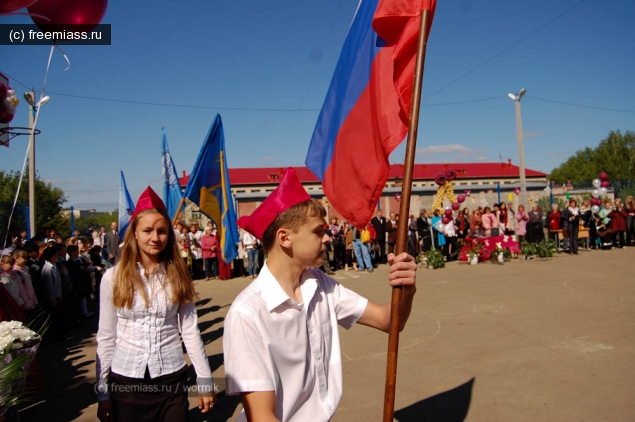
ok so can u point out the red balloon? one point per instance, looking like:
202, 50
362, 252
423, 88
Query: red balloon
448, 213
65, 12
3, 91
456, 206
461, 198
605, 184
8, 6
6, 117
604, 176
445, 220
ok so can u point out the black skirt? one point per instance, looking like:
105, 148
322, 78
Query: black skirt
153, 400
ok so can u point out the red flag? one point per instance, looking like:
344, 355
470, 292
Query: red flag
366, 112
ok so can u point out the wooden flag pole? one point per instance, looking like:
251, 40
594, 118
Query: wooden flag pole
402, 230
178, 210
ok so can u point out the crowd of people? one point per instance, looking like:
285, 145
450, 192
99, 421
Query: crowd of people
612, 226
52, 278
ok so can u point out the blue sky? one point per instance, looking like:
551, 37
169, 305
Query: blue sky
266, 67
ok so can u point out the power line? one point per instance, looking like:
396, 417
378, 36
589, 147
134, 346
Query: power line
506, 49
579, 105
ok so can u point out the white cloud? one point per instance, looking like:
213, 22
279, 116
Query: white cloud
451, 152
532, 134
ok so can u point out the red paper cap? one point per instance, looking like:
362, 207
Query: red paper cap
290, 192
148, 200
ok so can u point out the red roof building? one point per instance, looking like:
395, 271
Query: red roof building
251, 185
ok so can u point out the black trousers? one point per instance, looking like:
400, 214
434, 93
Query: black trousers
381, 240
573, 228
162, 399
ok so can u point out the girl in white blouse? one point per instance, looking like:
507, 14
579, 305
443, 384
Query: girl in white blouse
146, 299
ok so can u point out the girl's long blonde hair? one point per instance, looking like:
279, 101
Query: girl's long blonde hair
127, 279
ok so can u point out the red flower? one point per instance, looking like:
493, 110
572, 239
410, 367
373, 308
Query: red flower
440, 179
450, 175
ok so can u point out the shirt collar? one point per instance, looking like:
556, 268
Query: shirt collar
273, 294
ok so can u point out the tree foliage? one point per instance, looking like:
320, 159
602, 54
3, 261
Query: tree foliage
48, 204
615, 155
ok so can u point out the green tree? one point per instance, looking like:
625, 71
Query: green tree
48, 204
615, 155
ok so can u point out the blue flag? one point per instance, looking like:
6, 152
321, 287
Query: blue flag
126, 207
171, 189
209, 188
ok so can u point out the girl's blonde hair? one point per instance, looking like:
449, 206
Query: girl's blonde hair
127, 279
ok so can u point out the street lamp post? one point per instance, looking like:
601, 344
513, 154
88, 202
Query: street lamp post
521, 151
33, 106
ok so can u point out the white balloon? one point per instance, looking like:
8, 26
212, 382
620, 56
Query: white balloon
595, 193
597, 183
10, 93
8, 102
604, 191
595, 209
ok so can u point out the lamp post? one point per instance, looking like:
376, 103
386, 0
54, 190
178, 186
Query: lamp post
33, 106
521, 151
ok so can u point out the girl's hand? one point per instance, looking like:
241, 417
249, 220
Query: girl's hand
206, 401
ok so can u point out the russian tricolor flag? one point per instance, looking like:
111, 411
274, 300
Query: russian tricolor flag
367, 108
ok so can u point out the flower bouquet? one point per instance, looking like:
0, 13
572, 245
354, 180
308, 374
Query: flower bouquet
473, 251
18, 346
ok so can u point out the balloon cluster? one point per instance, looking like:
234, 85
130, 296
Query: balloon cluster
517, 191
446, 188
600, 188
8, 103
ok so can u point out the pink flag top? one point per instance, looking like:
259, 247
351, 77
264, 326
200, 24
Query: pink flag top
366, 112
290, 192
148, 200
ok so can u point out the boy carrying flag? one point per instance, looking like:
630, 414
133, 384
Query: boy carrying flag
281, 342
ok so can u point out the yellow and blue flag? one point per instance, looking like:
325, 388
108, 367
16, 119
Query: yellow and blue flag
209, 188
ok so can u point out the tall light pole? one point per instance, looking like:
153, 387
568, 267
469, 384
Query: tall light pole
33, 106
521, 150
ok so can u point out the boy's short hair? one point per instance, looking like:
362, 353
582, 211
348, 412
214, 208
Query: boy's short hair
72, 248
19, 253
7, 259
291, 219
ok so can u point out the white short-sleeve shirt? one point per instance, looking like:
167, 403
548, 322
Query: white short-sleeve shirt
271, 343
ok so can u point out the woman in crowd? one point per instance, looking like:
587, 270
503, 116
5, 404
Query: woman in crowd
521, 223
511, 219
554, 222
436, 218
336, 233
618, 217
535, 233
209, 245
146, 300
351, 261
571, 217
476, 223
629, 207
489, 222
423, 230
449, 230
463, 224
604, 225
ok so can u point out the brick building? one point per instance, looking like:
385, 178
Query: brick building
250, 186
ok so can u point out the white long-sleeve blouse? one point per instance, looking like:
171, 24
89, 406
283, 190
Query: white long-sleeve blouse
129, 340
